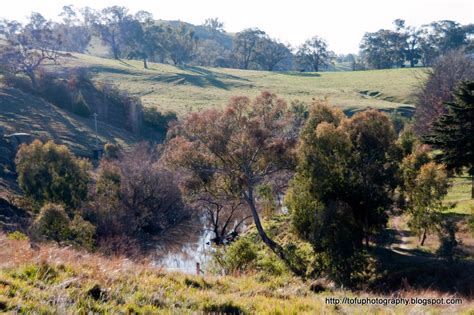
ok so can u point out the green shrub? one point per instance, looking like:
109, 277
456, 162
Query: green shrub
51, 173
111, 151
82, 232
17, 236
237, 257
158, 121
448, 241
52, 223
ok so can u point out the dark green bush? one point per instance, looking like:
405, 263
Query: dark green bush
48, 172
157, 120
52, 223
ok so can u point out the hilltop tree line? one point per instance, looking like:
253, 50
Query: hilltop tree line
140, 36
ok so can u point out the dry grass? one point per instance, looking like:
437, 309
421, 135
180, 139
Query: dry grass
63, 280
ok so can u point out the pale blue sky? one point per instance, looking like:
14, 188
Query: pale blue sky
341, 22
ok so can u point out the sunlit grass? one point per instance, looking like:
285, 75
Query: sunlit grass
185, 88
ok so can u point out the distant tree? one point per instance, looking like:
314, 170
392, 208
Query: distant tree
73, 31
148, 38
271, 53
115, 27
384, 48
239, 146
214, 25
28, 46
51, 173
453, 132
245, 46
440, 84
181, 44
314, 54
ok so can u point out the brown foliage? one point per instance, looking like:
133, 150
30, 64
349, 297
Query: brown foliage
442, 79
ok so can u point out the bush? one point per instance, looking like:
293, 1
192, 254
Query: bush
448, 242
111, 151
17, 236
51, 173
82, 232
238, 257
158, 121
134, 196
52, 223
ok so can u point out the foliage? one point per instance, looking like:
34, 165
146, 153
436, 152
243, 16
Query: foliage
235, 149
448, 241
343, 184
28, 46
314, 54
48, 172
453, 132
238, 257
438, 89
134, 195
82, 232
52, 223
17, 236
425, 195
111, 151
157, 120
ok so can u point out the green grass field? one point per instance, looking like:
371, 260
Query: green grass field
184, 88
460, 194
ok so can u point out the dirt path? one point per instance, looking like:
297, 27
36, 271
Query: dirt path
401, 247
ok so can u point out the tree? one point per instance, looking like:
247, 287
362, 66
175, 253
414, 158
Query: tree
148, 38
134, 195
453, 132
343, 184
115, 26
244, 46
384, 48
75, 34
425, 196
241, 145
48, 172
181, 44
440, 83
28, 46
314, 54
214, 25
271, 53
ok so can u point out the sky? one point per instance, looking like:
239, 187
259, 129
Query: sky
341, 22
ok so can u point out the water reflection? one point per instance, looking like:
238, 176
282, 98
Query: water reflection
184, 257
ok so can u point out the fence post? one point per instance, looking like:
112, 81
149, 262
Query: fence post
198, 268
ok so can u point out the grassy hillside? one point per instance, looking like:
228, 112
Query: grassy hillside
22, 112
53, 280
186, 88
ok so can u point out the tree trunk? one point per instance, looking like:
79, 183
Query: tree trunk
145, 65
423, 238
32, 77
275, 247
472, 186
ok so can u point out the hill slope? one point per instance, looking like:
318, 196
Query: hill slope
183, 88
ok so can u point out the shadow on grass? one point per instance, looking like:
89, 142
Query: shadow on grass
202, 81
422, 272
299, 74
404, 110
